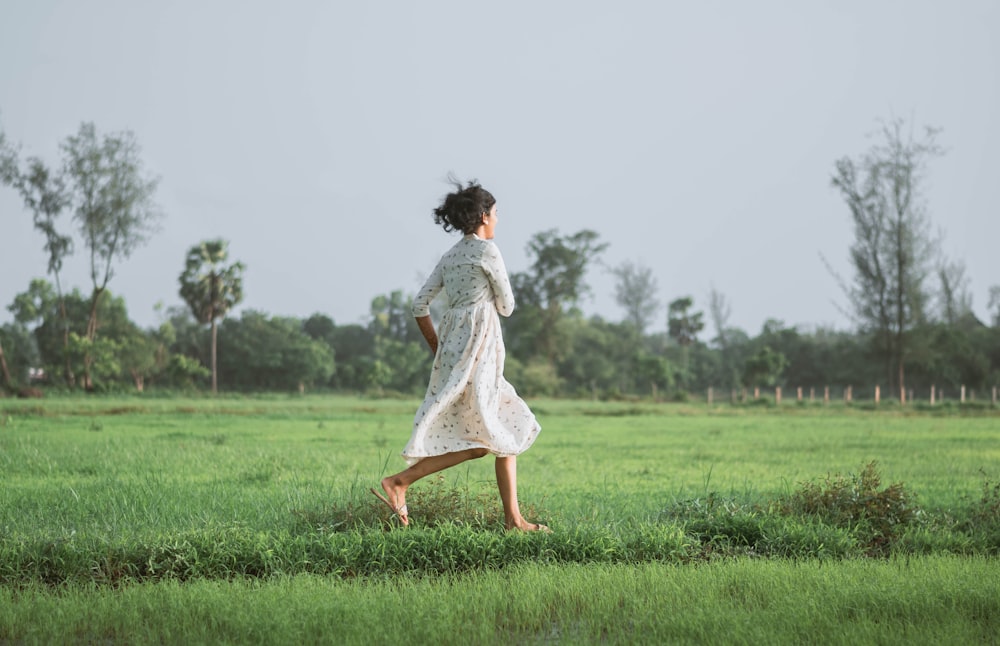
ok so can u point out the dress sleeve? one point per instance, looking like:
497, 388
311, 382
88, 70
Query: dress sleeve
496, 273
433, 285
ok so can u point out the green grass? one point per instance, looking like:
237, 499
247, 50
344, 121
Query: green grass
180, 514
934, 600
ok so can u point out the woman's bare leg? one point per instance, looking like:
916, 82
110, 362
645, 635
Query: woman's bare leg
395, 486
506, 469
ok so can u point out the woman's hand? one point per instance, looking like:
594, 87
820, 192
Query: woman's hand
427, 329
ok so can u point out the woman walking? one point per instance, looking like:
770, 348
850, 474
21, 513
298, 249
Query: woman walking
469, 410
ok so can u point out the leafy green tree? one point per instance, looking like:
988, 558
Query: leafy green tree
953, 356
144, 353
726, 339
683, 327
354, 347
211, 289
401, 366
994, 305
114, 207
764, 368
190, 338
954, 297
264, 353
4, 370
8, 160
635, 292
893, 247
20, 353
320, 327
554, 283
392, 317
594, 367
184, 372
40, 310
399, 359
100, 355
653, 371
536, 377
45, 194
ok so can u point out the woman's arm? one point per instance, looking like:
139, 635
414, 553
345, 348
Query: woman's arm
496, 273
427, 329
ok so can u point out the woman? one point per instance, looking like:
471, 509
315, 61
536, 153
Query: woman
469, 410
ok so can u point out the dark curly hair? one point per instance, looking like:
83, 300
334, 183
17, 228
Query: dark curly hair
463, 209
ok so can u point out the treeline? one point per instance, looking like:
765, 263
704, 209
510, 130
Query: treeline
915, 327
551, 351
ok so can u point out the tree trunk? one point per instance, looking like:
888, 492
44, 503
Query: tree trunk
215, 372
68, 368
88, 360
902, 382
139, 380
3, 369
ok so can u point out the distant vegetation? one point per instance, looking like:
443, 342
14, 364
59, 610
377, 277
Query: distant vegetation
914, 324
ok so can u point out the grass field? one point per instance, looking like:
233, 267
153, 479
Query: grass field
248, 520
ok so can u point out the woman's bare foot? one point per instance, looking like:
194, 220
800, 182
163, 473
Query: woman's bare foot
395, 497
524, 526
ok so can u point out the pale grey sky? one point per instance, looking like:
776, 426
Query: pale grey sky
698, 138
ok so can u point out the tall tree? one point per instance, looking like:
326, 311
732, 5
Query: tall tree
635, 292
4, 370
764, 368
954, 298
8, 160
8, 165
893, 250
114, 205
554, 282
994, 305
719, 310
683, 326
211, 289
272, 353
45, 194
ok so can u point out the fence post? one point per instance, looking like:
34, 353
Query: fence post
826, 395
963, 393
798, 394
743, 395
994, 395
709, 395
756, 392
932, 394
878, 392
848, 394
777, 394
902, 394
812, 394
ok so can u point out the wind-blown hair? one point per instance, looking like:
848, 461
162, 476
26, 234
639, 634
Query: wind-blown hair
463, 209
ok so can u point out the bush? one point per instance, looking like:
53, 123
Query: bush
983, 521
878, 516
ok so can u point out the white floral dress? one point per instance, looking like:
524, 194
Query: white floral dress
468, 403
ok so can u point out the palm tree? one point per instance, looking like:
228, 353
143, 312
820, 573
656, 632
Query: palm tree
211, 289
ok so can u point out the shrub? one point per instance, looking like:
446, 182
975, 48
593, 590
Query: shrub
983, 521
856, 502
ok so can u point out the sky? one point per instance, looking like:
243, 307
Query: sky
698, 139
